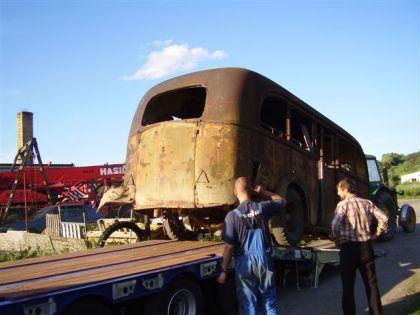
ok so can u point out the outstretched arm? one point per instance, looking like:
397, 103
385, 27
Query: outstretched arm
268, 194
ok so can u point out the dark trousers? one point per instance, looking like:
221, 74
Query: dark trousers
359, 256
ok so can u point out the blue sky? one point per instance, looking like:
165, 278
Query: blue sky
82, 66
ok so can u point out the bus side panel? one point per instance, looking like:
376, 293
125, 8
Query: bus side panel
330, 195
304, 174
282, 165
274, 171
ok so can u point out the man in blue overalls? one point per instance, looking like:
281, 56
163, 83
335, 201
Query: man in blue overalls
247, 237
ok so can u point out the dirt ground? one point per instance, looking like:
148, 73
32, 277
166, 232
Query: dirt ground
398, 276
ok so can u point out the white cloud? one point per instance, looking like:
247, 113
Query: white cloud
171, 59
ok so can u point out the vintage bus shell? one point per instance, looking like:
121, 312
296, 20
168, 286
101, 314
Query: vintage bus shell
193, 135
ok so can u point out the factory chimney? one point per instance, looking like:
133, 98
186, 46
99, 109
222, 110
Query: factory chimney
24, 132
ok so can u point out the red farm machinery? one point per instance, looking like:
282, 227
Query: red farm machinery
35, 186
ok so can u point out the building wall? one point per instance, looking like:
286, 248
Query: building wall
410, 178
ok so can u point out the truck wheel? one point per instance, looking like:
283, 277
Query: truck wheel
182, 297
117, 225
174, 227
384, 201
407, 218
87, 307
288, 230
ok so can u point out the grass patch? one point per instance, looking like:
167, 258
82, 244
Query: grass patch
408, 191
209, 237
24, 254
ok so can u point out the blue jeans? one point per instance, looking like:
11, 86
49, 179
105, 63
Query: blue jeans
255, 281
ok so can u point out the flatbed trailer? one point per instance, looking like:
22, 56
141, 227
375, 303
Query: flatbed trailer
150, 277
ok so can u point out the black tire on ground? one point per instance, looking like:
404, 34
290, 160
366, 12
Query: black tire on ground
407, 218
117, 225
88, 307
288, 230
182, 297
383, 200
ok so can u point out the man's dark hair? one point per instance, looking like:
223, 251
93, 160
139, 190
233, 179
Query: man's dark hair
348, 184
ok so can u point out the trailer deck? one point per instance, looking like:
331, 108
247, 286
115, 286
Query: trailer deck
46, 285
111, 272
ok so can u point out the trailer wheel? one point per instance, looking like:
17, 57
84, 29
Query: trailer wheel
384, 201
182, 297
407, 218
288, 229
87, 307
117, 225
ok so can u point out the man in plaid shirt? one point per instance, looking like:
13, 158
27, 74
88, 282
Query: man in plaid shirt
352, 234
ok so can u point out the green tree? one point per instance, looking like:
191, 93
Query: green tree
392, 159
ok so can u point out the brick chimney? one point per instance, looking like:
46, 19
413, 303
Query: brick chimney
25, 131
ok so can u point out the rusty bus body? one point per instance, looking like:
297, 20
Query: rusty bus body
193, 135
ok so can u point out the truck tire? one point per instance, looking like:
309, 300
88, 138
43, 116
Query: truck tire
407, 218
182, 297
383, 200
117, 225
87, 307
288, 230
174, 227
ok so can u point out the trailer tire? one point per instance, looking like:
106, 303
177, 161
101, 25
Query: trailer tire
117, 225
182, 297
87, 307
407, 218
383, 200
290, 231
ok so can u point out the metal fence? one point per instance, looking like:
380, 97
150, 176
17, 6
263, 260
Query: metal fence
54, 227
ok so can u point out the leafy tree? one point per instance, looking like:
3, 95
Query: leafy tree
399, 165
392, 159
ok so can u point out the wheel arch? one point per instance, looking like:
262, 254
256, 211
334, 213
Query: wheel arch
96, 298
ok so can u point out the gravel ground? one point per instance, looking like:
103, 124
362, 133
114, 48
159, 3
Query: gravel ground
398, 276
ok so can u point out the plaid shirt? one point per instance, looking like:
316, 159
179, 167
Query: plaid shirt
353, 218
